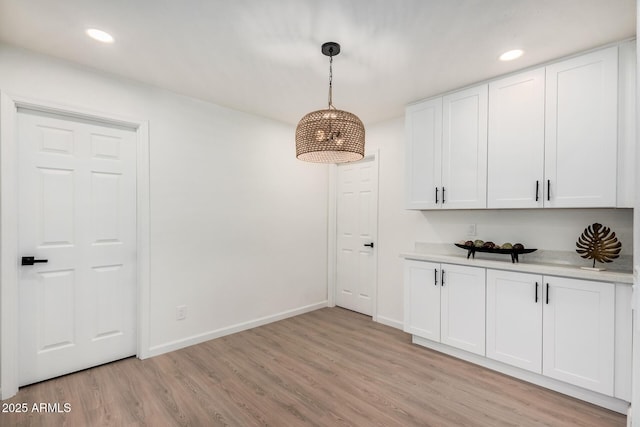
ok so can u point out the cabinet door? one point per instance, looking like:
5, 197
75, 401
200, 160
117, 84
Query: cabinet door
422, 299
627, 72
463, 307
514, 319
423, 125
464, 149
578, 333
516, 141
581, 131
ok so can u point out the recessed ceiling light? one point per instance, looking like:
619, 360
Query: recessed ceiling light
100, 35
512, 54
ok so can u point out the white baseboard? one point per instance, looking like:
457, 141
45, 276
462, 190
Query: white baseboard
157, 350
390, 322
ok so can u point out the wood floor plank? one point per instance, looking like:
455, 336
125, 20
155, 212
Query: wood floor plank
330, 367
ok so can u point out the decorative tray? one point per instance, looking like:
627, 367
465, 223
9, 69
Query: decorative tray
513, 252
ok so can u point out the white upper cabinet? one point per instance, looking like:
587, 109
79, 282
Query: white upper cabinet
553, 135
423, 124
446, 151
516, 141
464, 149
561, 136
581, 131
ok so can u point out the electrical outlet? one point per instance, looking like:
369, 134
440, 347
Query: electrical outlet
181, 312
471, 230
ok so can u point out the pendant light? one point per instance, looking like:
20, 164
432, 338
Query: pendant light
331, 135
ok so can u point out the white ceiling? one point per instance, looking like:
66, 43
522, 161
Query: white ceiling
263, 56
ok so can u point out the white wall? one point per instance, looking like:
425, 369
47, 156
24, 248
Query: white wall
399, 229
238, 225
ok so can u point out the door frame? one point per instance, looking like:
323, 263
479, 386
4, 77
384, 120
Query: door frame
9, 270
332, 238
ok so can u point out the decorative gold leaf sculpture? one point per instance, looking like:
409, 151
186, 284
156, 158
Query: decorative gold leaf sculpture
599, 244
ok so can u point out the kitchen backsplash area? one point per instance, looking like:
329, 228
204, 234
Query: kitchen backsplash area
552, 232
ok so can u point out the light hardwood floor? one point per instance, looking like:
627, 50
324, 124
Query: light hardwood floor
330, 367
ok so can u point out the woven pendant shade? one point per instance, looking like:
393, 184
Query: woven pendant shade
330, 136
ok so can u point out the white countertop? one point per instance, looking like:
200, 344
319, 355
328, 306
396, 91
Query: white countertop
525, 267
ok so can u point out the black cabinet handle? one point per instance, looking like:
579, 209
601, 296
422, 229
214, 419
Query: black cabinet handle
29, 260
549, 190
436, 195
442, 278
536, 292
547, 293
442, 195
435, 277
537, 189
370, 245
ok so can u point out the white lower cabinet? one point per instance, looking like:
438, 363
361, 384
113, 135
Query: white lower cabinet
462, 308
446, 303
562, 328
514, 319
579, 333
422, 299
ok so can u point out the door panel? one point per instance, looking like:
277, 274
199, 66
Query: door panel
357, 218
108, 290
55, 303
77, 209
54, 215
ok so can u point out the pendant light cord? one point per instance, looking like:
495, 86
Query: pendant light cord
331, 81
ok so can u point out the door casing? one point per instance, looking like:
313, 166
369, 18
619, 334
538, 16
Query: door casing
9, 302
332, 246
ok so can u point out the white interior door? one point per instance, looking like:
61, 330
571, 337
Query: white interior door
357, 222
77, 210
